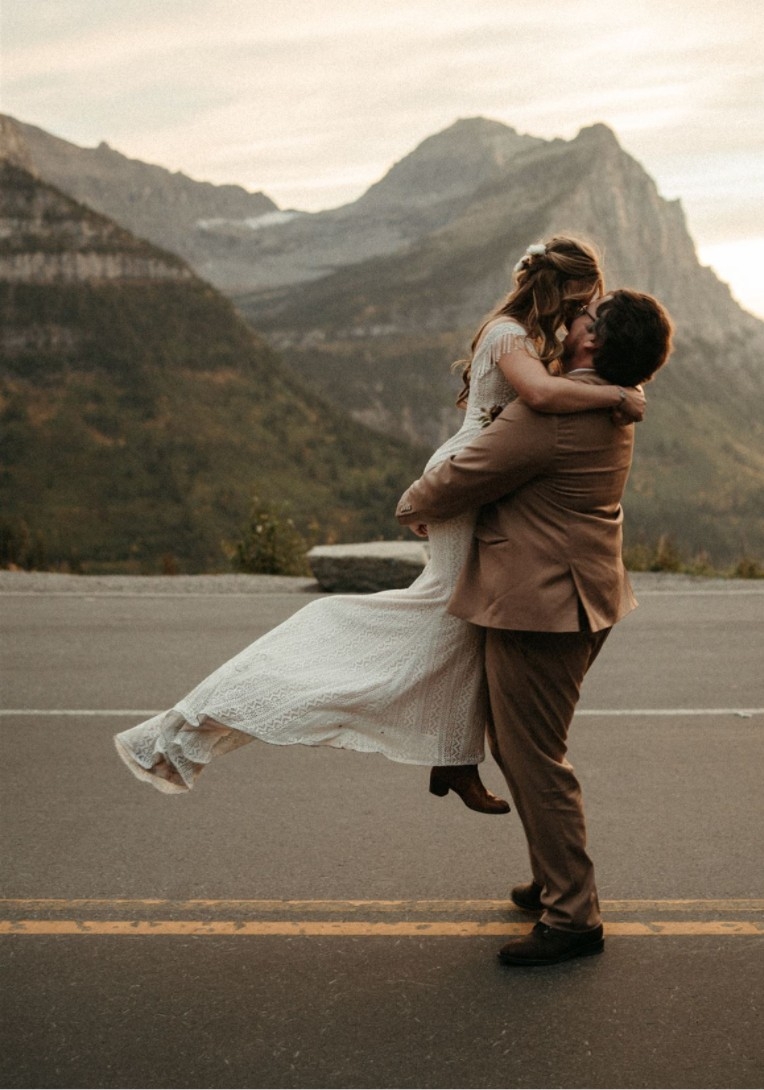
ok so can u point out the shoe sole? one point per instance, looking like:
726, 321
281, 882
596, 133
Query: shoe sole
586, 952
441, 793
536, 910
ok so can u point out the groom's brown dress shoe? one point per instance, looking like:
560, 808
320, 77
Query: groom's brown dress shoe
528, 897
549, 945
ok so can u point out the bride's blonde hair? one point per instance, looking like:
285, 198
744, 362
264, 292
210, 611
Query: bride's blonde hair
551, 281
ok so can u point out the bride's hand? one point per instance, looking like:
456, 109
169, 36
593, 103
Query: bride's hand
420, 530
632, 408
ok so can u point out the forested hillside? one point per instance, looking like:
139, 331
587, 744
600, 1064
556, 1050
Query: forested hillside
140, 413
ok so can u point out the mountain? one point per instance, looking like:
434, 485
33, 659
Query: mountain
139, 413
452, 273
418, 195
166, 208
378, 335
241, 241
369, 304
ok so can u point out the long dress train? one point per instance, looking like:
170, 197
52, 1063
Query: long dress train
391, 673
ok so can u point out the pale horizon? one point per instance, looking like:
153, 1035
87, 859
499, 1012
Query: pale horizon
312, 107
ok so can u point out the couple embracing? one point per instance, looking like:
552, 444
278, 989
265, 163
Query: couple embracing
495, 637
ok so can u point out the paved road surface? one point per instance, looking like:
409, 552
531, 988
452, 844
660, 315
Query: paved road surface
307, 918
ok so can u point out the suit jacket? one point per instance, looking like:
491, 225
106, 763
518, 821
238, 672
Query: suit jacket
548, 536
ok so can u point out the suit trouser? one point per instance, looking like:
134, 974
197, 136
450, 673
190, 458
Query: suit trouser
534, 681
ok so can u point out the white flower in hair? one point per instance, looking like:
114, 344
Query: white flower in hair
533, 250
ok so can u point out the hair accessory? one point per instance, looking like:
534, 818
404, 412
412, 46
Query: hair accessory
532, 251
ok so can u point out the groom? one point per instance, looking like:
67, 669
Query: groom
546, 580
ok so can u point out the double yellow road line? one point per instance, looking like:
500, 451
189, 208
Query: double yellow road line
346, 919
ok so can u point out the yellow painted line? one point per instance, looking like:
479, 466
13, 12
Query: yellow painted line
74, 916
694, 927
355, 929
291, 907
346, 928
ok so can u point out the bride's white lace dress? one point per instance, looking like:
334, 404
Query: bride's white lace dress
391, 673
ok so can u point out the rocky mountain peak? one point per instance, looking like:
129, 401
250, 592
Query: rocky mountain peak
152, 202
477, 130
599, 135
448, 165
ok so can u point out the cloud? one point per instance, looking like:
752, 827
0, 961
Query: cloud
312, 102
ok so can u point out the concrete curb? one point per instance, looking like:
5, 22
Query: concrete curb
47, 583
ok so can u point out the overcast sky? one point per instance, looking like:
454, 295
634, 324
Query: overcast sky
313, 100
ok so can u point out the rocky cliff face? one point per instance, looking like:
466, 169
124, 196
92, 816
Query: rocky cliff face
444, 281
46, 237
151, 202
447, 168
420, 194
432, 245
644, 238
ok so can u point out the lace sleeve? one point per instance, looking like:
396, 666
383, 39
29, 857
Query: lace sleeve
502, 338
506, 338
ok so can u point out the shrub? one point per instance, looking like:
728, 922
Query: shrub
667, 557
748, 568
21, 547
269, 543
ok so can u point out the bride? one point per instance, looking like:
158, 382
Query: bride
395, 673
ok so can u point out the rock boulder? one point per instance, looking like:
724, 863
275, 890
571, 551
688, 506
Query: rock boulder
367, 566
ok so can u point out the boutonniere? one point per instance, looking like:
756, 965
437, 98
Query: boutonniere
487, 416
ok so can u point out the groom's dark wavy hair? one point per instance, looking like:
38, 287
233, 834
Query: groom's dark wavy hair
634, 332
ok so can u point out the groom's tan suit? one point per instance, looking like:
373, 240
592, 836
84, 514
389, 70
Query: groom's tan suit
546, 579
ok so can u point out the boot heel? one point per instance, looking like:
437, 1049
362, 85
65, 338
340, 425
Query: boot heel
437, 787
465, 782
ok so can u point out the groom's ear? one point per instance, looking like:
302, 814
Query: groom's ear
588, 348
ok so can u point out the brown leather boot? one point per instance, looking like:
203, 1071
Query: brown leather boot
465, 781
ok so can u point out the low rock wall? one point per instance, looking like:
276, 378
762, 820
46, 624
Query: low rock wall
367, 567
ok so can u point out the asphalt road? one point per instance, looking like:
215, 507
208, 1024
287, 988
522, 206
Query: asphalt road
309, 918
